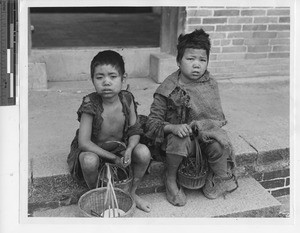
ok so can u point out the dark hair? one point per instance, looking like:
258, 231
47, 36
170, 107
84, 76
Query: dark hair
198, 39
108, 57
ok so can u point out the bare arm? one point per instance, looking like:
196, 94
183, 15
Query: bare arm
133, 140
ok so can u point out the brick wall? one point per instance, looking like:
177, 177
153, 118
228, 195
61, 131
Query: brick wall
276, 182
246, 41
271, 169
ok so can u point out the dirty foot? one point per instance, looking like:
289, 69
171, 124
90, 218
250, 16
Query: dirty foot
171, 186
141, 204
175, 195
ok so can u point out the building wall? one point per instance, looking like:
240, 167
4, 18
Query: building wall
246, 41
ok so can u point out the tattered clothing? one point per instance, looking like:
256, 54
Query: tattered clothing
92, 104
198, 101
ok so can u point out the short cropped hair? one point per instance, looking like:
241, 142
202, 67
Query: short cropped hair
197, 39
108, 57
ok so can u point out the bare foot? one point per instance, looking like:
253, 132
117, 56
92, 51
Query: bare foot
172, 186
141, 204
174, 195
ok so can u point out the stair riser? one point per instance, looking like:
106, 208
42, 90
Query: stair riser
62, 190
265, 212
66, 191
74, 64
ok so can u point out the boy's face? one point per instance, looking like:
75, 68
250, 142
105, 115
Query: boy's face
193, 64
107, 80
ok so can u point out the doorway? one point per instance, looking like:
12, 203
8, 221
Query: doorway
56, 27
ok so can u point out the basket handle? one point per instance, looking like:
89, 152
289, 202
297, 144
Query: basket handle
103, 172
200, 160
110, 192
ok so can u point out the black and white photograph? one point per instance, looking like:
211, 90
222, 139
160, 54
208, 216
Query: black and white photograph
142, 113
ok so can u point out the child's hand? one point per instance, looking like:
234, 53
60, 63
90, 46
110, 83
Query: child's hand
119, 161
183, 130
127, 157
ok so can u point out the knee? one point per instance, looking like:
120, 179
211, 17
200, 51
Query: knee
89, 161
178, 146
174, 139
142, 154
215, 151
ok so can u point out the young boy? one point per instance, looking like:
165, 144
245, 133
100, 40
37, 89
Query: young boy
187, 101
109, 114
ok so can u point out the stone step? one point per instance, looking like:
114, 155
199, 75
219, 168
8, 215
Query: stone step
249, 200
261, 144
66, 64
62, 190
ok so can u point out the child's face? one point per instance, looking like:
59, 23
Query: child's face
193, 64
107, 80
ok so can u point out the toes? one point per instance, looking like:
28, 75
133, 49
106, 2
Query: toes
145, 207
148, 208
142, 205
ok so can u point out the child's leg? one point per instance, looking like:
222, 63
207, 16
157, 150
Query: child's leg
176, 149
217, 158
89, 163
173, 161
220, 180
140, 160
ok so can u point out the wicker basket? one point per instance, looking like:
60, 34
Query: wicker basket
122, 178
91, 204
193, 171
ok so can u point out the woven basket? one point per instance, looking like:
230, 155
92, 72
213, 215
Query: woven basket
192, 171
122, 179
93, 202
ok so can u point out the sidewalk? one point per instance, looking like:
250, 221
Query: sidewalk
197, 205
257, 110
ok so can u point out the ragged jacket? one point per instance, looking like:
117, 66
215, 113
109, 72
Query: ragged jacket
197, 102
92, 104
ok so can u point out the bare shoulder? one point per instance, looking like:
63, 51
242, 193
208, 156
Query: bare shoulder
129, 99
127, 95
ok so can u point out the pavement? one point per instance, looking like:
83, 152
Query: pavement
257, 110
255, 202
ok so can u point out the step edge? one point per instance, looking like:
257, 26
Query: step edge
254, 157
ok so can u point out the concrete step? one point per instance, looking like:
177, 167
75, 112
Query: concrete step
66, 64
254, 128
72, 64
62, 190
249, 200
259, 134
259, 148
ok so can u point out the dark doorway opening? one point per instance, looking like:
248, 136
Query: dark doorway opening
95, 27
118, 10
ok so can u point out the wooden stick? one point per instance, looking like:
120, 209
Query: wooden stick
113, 203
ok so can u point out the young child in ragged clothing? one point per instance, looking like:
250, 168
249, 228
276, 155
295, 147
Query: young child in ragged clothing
187, 102
109, 114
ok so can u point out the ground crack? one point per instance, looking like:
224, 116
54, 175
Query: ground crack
248, 143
